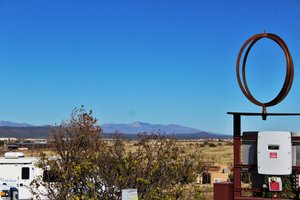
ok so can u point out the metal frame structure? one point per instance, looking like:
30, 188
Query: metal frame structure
237, 141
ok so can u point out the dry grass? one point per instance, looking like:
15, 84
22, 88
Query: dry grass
213, 152
221, 154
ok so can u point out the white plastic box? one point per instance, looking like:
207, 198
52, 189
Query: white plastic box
274, 153
129, 194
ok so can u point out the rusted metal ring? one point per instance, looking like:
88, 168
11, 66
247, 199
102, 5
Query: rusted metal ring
289, 70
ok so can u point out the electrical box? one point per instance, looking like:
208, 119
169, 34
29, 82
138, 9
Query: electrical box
249, 157
274, 153
249, 149
296, 149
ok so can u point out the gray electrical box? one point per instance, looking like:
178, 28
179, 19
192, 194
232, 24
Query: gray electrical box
296, 149
274, 153
249, 152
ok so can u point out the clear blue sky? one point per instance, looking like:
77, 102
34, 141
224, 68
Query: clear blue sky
167, 62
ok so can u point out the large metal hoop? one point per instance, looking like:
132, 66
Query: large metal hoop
288, 77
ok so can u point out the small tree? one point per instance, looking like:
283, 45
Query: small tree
76, 145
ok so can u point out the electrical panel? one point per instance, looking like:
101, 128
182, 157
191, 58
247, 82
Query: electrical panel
274, 153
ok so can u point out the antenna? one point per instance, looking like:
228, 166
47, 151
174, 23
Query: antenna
243, 82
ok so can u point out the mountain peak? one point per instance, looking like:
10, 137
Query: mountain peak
140, 127
138, 124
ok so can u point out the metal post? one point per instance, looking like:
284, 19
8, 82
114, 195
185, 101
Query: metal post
223, 191
237, 154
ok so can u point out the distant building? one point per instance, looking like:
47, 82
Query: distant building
28, 146
214, 174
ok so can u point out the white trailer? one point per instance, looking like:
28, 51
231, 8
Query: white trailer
18, 171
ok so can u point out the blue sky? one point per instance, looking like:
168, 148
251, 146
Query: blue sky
167, 62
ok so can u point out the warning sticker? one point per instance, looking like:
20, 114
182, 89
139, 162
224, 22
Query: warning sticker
273, 155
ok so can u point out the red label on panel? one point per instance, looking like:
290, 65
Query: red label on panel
273, 155
274, 186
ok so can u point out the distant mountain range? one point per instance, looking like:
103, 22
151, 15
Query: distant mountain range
23, 130
13, 124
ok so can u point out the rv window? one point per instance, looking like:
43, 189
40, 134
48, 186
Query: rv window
25, 172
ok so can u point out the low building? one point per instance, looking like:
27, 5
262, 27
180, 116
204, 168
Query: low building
27, 145
214, 174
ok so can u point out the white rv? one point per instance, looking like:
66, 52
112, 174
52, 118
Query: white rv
18, 171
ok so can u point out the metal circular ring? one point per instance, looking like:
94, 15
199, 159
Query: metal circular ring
289, 70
